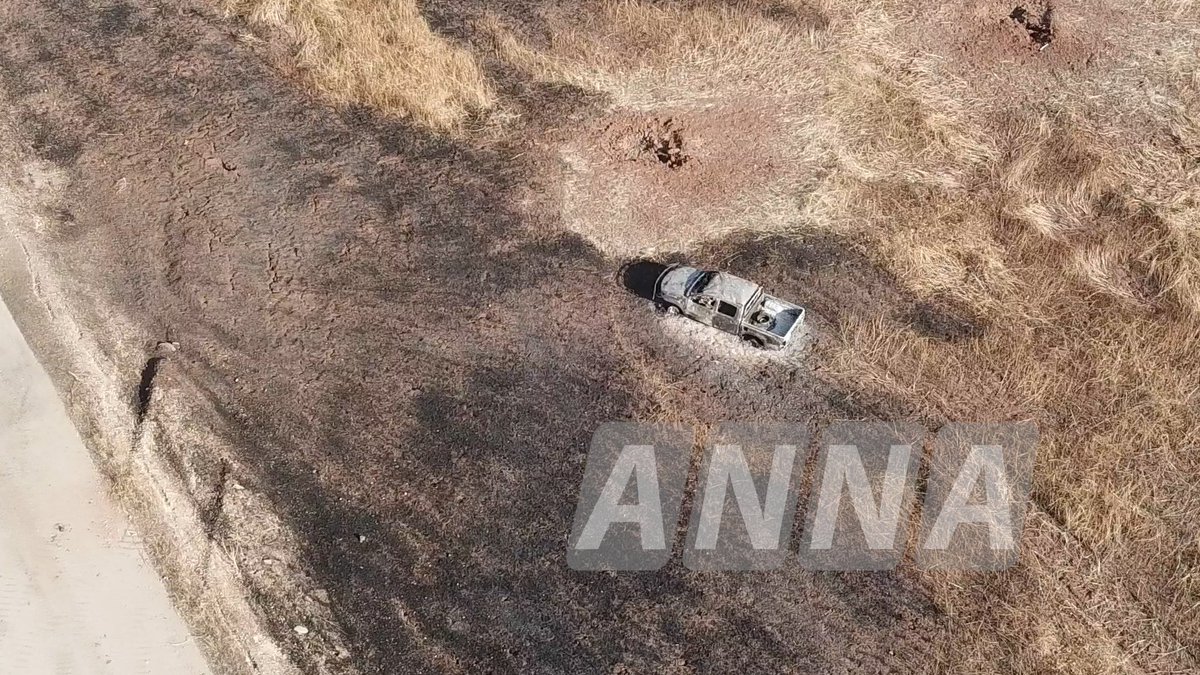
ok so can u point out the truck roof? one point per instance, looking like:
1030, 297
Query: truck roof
730, 288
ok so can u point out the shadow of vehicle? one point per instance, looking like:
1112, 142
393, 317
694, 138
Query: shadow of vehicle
641, 276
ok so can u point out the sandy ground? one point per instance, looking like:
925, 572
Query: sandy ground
77, 594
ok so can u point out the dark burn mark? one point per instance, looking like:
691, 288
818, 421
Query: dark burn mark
803, 16
210, 512
664, 143
116, 19
54, 144
400, 393
1040, 29
145, 389
64, 215
943, 323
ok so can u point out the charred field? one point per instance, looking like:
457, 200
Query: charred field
391, 290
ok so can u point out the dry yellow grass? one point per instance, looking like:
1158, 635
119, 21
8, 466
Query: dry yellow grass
378, 53
649, 56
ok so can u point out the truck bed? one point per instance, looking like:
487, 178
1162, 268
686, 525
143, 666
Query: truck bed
786, 315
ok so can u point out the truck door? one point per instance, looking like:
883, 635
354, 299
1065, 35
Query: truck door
725, 318
701, 308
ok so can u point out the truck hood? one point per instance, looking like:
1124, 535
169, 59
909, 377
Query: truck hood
675, 282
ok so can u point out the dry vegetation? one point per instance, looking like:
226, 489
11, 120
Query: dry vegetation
1055, 201
379, 53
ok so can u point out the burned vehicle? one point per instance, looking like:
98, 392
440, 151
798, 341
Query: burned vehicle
729, 303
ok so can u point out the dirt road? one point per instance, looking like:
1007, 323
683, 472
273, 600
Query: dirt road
77, 594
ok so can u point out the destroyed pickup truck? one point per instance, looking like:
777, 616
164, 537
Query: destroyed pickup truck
729, 303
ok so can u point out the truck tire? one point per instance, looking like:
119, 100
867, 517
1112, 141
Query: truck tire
753, 341
672, 309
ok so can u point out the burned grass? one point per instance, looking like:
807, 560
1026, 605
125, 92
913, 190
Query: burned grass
406, 337
404, 365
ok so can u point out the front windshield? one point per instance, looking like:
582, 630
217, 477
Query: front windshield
702, 282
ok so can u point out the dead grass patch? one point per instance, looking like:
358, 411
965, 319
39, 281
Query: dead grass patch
377, 53
1093, 332
646, 56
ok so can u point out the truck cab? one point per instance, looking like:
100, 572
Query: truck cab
729, 303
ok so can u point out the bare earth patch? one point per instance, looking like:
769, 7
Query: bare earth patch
1038, 34
636, 183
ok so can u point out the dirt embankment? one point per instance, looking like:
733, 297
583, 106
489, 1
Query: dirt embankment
375, 344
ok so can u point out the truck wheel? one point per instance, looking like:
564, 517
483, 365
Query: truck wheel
753, 341
672, 309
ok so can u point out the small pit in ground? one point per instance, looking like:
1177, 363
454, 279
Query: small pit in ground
664, 142
992, 44
1036, 22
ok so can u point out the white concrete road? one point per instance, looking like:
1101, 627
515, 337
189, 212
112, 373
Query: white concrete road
77, 594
